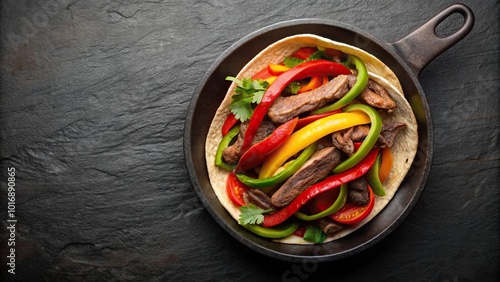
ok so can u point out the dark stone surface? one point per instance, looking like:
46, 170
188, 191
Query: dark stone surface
93, 98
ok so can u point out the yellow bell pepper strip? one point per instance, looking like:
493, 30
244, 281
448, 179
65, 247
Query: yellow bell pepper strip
308, 119
276, 232
386, 164
258, 152
271, 79
224, 143
307, 69
370, 139
361, 82
309, 134
372, 177
276, 69
327, 184
337, 205
280, 177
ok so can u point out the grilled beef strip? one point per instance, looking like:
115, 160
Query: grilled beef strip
344, 139
358, 192
284, 109
374, 94
231, 154
389, 132
316, 168
258, 198
329, 226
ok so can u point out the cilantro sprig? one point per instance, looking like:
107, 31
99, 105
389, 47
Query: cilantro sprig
251, 214
248, 93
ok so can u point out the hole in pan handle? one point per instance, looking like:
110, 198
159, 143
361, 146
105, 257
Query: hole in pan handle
422, 45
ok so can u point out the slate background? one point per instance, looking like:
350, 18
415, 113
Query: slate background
93, 98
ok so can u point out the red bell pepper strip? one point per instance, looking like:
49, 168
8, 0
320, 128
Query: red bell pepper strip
300, 231
230, 121
304, 53
262, 74
328, 183
307, 69
258, 152
327, 203
307, 120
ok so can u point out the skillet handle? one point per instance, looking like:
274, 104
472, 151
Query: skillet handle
422, 45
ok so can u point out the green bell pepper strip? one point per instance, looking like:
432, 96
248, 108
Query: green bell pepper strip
281, 176
357, 88
279, 231
224, 143
372, 177
370, 140
337, 205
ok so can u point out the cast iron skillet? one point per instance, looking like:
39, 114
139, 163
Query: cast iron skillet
406, 57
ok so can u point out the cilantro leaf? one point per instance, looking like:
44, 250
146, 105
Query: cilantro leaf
248, 93
292, 61
257, 96
241, 108
320, 54
251, 214
314, 234
294, 87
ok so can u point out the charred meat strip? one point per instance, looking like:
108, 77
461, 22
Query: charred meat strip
329, 226
258, 198
389, 132
344, 140
316, 168
284, 109
374, 94
358, 192
231, 154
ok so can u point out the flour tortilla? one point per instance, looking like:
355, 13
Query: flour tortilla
404, 149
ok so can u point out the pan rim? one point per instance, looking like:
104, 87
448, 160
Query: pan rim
231, 227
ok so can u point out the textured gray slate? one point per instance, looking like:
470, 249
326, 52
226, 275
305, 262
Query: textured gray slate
93, 99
